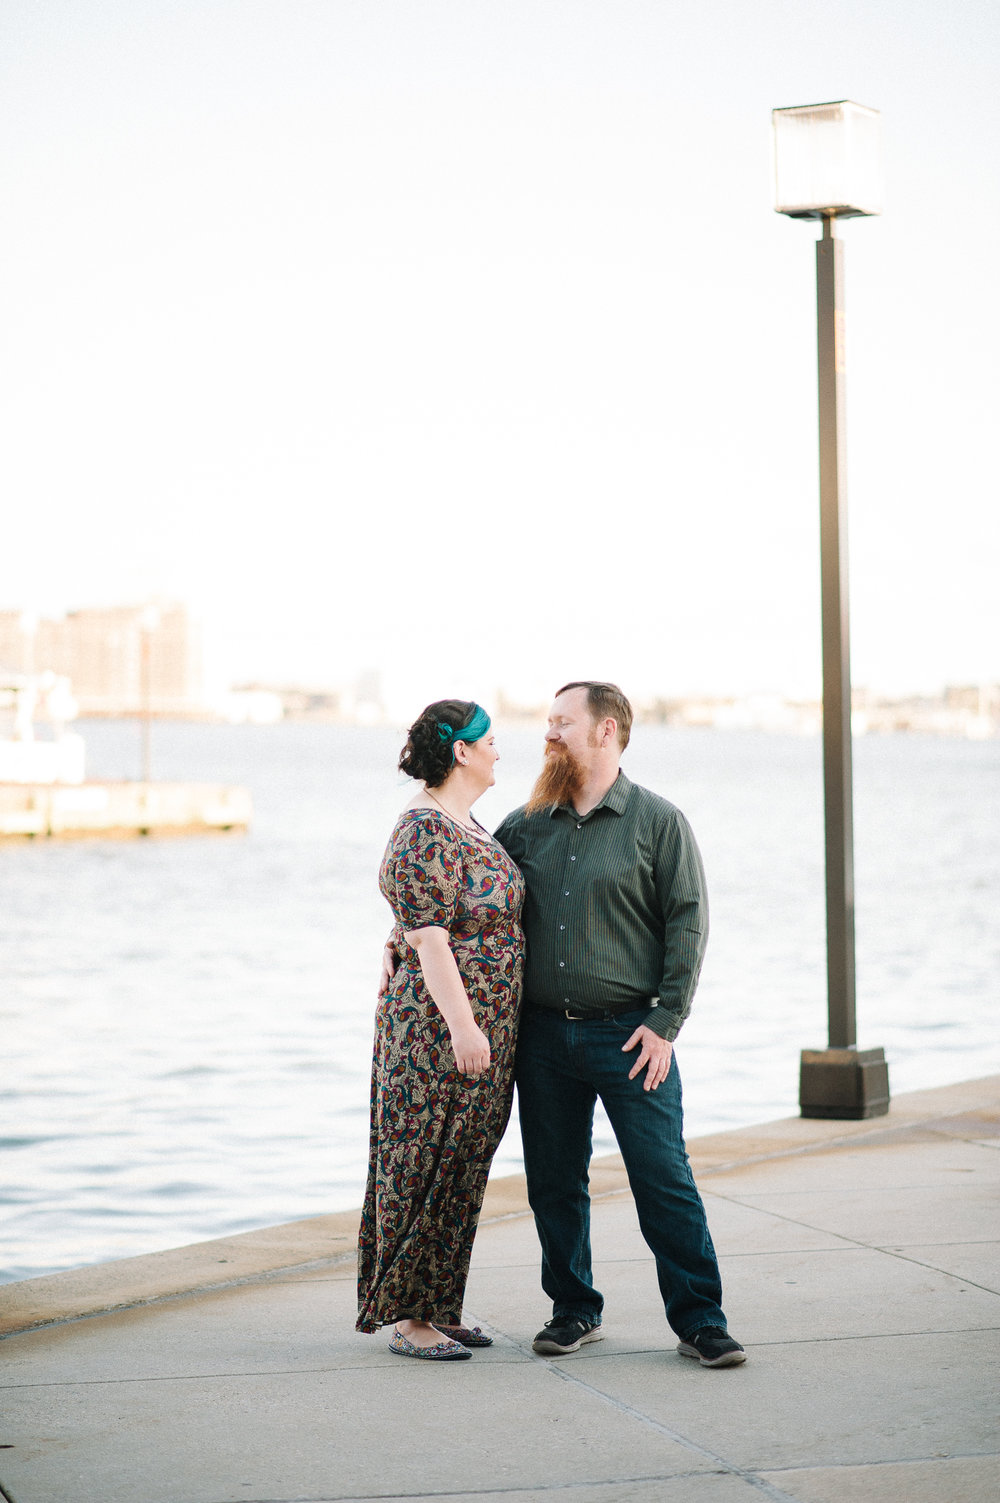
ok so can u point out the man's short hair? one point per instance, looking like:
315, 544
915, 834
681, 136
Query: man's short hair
604, 701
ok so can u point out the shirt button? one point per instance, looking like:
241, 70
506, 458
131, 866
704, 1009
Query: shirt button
579, 827
572, 858
566, 894
562, 926
561, 964
566, 999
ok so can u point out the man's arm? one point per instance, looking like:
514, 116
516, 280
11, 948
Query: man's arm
680, 885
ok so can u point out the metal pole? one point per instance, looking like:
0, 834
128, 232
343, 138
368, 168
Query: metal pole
841, 1080
837, 768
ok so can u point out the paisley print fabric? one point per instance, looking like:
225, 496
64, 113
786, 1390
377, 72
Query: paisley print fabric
434, 1131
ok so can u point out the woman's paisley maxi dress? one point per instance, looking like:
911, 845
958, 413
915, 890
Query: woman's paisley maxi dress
434, 1131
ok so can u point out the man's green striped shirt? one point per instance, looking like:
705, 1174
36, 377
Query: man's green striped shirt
616, 911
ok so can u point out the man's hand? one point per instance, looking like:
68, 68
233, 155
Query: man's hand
656, 1053
387, 972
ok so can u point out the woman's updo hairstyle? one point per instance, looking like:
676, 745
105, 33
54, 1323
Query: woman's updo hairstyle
428, 755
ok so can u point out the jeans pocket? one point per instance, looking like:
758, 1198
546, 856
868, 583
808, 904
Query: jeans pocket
627, 1022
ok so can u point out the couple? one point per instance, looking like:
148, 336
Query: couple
616, 921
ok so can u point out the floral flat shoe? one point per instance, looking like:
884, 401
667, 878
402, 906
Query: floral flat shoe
442, 1351
467, 1335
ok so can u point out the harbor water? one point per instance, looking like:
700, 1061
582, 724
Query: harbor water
187, 1023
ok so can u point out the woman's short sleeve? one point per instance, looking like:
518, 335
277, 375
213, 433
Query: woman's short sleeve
422, 875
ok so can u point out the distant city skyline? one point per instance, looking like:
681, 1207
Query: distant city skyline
190, 672
147, 660
461, 343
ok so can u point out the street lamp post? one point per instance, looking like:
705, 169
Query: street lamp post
827, 166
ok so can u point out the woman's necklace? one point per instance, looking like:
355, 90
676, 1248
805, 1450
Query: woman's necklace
481, 828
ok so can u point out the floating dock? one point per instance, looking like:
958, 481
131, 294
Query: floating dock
120, 810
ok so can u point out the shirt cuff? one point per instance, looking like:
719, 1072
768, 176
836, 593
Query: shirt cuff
661, 1022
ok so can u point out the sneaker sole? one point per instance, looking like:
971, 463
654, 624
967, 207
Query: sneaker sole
553, 1349
728, 1359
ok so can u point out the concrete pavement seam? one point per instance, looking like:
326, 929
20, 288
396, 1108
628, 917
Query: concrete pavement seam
851, 1244
730, 1468
761, 1343
933, 1267
489, 1492
302, 1372
847, 1466
252, 1372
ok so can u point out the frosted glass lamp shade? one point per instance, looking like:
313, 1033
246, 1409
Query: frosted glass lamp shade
827, 160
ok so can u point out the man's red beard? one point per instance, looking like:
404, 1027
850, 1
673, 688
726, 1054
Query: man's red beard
562, 777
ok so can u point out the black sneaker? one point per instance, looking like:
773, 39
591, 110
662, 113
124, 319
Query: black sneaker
562, 1336
713, 1347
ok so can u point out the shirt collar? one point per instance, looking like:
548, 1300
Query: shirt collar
615, 800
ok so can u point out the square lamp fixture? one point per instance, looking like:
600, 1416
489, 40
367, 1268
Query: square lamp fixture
827, 160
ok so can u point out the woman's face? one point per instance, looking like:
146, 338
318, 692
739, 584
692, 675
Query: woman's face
481, 758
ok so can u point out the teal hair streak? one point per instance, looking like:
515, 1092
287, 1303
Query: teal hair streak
473, 730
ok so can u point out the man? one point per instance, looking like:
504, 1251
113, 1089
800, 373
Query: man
616, 920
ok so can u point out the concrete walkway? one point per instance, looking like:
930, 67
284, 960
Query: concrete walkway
862, 1271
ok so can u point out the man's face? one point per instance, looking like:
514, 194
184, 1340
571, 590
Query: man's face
569, 749
571, 728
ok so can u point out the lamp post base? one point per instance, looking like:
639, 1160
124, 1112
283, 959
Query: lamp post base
846, 1083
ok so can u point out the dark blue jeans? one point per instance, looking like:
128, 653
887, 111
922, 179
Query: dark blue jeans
562, 1069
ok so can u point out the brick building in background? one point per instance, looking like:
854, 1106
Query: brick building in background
122, 660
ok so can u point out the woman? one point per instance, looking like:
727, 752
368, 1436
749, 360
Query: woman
442, 1076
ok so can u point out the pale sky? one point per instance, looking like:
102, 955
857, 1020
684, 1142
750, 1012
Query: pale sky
459, 337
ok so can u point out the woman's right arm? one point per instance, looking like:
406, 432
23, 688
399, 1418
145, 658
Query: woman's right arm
469, 1042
